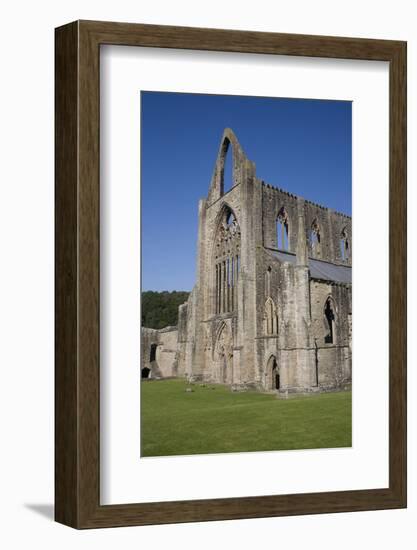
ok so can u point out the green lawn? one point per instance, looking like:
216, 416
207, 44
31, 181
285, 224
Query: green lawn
213, 419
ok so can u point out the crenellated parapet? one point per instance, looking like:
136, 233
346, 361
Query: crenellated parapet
328, 233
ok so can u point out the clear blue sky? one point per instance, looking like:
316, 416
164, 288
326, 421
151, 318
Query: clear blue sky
303, 146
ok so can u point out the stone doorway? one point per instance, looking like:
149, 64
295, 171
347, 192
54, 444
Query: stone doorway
273, 375
224, 355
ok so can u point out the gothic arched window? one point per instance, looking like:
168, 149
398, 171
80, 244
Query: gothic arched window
270, 317
282, 230
344, 245
329, 321
315, 238
226, 261
227, 176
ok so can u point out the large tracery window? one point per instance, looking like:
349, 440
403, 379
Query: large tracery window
282, 230
227, 252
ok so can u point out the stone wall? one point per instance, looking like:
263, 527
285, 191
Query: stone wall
256, 317
330, 225
334, 359
159, 350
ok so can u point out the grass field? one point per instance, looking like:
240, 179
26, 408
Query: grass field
212, 419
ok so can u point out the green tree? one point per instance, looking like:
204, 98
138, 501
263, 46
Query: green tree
160, 309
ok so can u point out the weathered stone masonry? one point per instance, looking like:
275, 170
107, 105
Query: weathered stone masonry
272, 305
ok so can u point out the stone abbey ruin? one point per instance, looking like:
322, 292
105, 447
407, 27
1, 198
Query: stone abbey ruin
272, 305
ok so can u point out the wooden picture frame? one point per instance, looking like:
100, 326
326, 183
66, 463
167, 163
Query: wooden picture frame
77, 375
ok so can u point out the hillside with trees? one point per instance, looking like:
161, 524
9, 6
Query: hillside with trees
160, 309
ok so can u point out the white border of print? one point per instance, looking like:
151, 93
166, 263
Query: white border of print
125, 477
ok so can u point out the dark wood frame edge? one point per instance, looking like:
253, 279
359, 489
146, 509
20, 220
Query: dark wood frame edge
77, 274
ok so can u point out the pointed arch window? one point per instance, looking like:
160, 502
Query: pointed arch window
227, 175
270, 317
315, 238
226, 262
282, 230
344, 245
329, 321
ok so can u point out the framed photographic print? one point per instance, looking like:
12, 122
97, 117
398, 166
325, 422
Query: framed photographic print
230, 274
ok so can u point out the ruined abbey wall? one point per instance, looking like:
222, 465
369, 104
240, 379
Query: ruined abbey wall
271, 307
159, 350
331, 225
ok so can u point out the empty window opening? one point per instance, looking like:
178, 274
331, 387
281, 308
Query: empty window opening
315, 238
152, 355
282, 230
344, 245
228, 167
230, 219
146, 372
329, 314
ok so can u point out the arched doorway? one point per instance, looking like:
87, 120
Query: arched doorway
224, 355
276, 383
273, 375
146, 372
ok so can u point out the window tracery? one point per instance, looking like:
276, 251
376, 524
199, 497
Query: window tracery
227, 262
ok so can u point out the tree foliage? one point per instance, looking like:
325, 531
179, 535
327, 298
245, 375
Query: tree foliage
160, 309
